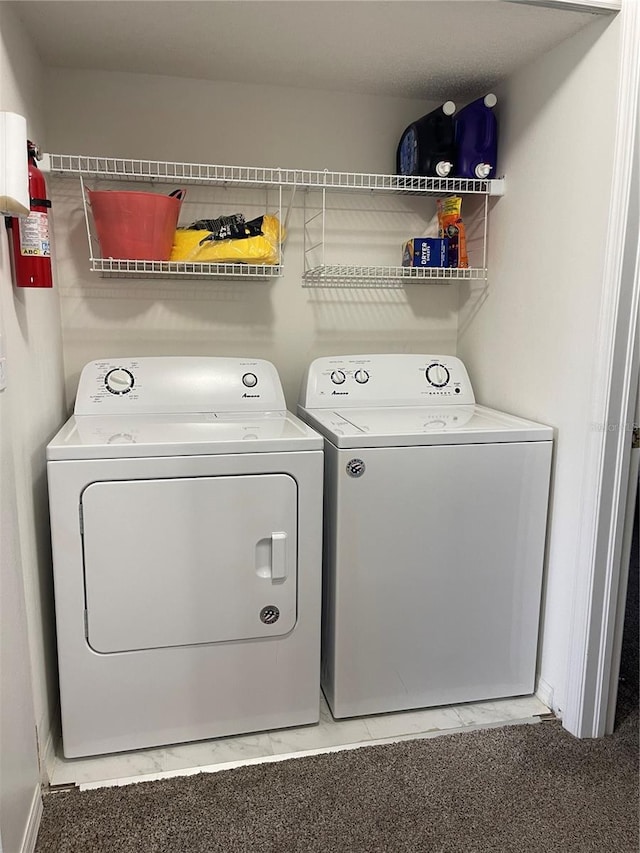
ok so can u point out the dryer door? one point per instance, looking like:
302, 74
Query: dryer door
174, 562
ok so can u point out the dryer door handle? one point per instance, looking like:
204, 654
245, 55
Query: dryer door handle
278, 556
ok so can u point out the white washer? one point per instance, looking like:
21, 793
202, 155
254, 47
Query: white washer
435, 517
186, 508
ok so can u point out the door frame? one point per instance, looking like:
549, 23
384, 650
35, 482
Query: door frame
625, 566
605, 490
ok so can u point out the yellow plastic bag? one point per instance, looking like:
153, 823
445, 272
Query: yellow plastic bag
262, 249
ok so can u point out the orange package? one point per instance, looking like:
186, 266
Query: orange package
450, 225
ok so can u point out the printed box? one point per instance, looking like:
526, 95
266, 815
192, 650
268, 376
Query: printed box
426, 252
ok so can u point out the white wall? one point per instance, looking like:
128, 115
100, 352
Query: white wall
133, 115
529, 341
31, 408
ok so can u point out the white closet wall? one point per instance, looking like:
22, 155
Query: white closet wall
529, 340
31, 409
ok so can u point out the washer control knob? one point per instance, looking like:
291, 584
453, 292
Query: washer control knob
437, 375
338, 377
119, 381
250, 380
361, 376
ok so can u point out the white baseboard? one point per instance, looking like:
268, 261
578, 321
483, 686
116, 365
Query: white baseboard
544, 692
33, 824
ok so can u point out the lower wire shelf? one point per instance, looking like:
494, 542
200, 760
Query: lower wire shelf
358, 276
119, 268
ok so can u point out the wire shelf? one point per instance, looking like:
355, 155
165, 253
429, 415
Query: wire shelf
118, 169
121, 169
357, 276
110, 268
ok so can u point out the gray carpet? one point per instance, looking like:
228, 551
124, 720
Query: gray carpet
516, 788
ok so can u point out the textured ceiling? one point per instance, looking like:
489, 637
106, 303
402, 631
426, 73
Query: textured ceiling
429, 49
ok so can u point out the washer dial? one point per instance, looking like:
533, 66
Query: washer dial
119, 381
361, 376
437, 375
338, 377
250, 380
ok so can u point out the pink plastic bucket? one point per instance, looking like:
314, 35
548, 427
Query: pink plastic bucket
135, 226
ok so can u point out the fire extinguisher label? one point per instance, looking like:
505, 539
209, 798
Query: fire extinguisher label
34, 235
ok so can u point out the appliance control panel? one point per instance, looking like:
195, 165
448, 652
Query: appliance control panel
174, 384
385, 380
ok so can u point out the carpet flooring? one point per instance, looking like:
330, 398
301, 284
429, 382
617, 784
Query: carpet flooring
512, 789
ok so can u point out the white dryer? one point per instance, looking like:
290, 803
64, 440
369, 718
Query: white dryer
186, 508
435, 518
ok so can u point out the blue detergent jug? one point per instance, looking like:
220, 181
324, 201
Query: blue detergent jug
476, 135
427, 146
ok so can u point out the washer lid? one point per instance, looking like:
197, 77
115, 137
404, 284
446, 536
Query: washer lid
422, 425
117, 437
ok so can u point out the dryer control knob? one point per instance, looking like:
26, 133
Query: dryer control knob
338, 377
437, 375
119, 381
250, 380
361, 376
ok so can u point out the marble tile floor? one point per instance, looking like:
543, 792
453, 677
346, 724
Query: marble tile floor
328, 736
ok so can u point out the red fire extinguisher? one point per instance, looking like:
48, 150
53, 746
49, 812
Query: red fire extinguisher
30, 235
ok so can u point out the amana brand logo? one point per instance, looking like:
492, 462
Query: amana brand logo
251, 395
355, 467
341, 393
